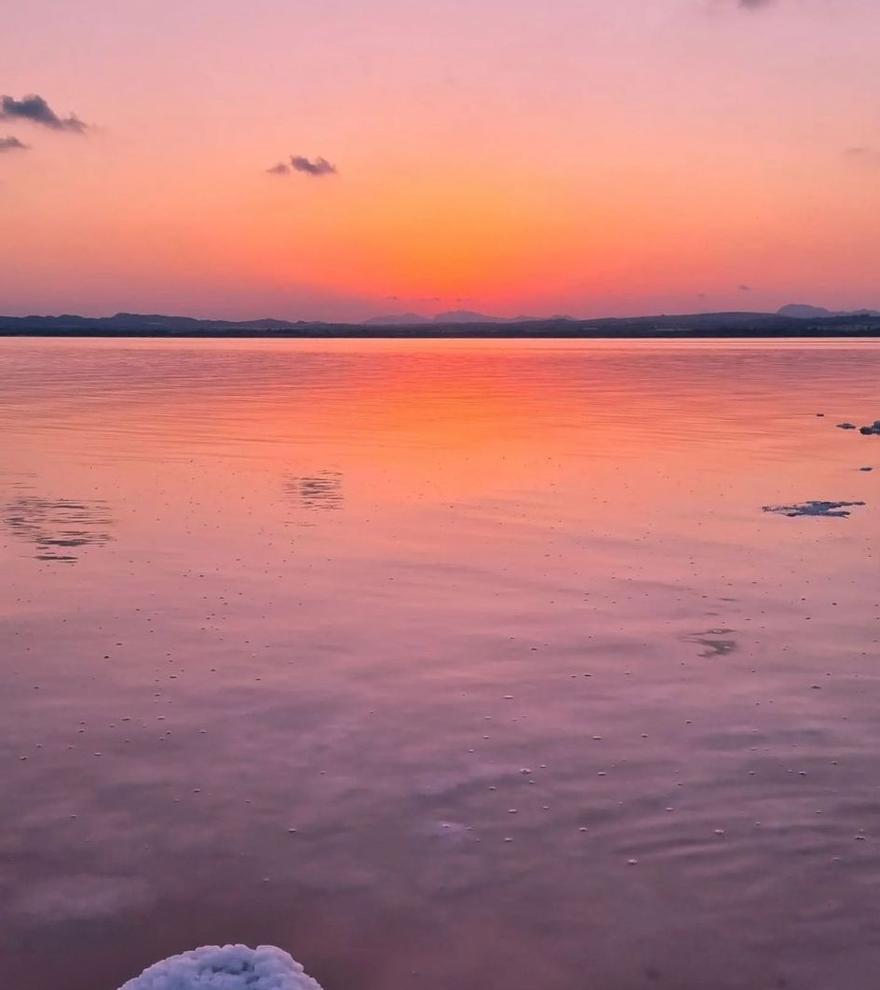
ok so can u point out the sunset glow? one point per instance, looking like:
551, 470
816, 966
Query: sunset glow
591, 158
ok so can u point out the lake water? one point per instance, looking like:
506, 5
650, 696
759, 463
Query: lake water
443, 665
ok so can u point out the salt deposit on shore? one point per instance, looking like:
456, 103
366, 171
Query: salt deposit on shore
230, 967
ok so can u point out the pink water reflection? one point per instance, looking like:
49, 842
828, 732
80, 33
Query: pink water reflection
358, 589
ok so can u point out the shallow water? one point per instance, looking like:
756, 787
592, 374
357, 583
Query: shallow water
499, 629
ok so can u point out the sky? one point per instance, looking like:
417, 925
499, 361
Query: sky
348, 158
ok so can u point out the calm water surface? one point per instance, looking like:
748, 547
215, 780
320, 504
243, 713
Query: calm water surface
442, 665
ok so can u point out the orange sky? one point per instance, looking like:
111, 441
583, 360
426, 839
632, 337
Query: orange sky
583, 157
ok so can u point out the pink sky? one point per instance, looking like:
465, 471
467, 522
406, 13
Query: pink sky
512, 157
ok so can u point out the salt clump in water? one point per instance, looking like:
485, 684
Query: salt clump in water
230, 967
814, 508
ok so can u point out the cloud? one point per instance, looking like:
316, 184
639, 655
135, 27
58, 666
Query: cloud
863, 155
11, 144
755, 4
317, 168
745, 288
36, 110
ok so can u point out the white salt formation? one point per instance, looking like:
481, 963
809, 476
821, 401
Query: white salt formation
230, 967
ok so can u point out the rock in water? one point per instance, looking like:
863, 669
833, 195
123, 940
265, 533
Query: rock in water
228, 967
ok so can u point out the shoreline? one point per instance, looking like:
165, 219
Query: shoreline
691, 326
348, 333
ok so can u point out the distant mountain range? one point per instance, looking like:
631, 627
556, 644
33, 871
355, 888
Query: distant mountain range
799, 311
453, 316
795, 311
414, 319
796, 320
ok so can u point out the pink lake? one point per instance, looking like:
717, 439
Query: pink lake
442, 665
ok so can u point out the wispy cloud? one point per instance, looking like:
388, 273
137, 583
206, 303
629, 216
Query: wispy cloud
864, 155
35, 110
11, 144
317, 167
755, 4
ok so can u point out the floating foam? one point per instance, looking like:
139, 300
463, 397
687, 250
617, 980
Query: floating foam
228, 967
